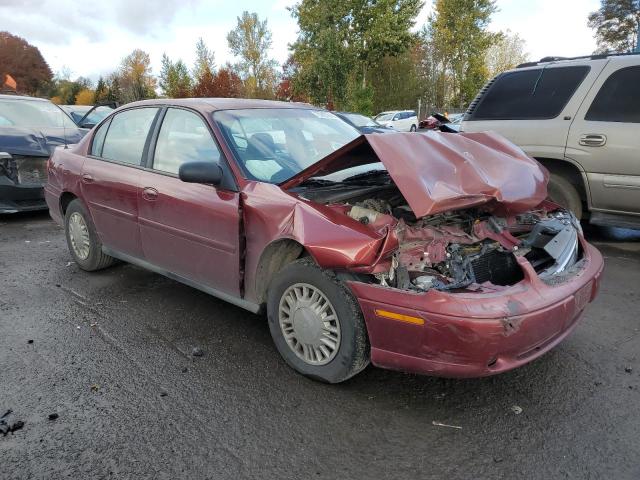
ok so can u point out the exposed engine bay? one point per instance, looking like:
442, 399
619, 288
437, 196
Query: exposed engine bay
475, 249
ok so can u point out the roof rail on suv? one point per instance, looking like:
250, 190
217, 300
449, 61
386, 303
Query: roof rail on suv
596, 56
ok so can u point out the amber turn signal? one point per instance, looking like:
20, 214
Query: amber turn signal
400, 317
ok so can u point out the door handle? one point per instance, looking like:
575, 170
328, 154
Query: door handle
86, 178
593, 140
150, 193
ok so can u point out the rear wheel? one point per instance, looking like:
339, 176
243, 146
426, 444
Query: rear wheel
565, 194
83, 242
316, 323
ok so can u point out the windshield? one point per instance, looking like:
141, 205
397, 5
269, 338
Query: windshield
360, 120
274, 144
32, 114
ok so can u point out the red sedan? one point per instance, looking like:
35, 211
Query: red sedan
437, 254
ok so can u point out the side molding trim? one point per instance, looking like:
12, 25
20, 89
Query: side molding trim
239, 302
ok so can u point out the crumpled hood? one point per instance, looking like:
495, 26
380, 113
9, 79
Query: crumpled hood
437, 172
36, 141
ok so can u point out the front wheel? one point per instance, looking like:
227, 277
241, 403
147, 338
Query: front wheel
316, 323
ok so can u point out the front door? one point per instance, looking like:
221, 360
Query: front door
110, 177
605, 139
188, 229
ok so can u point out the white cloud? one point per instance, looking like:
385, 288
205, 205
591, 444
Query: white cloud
91, 38
549, 27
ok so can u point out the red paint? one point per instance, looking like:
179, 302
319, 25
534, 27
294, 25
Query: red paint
216, 237
439, 172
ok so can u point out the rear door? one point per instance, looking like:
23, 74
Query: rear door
605, 139
110, 176
191, 230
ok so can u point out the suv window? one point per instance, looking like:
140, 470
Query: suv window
183, 137
618, 99
541, 93
98, 139
127, 135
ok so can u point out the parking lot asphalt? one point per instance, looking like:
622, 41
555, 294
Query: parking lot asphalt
112, 355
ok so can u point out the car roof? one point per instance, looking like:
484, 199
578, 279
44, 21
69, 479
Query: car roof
22, 97
629, 57
214, 104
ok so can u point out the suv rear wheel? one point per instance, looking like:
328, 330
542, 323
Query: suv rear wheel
316, 323
565, 194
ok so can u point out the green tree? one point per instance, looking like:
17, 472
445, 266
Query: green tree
135, 79
175, 81
341, 43
616, 24
459, 32
114, 92
251, 41
101, 91
67, 90
397, 82
205, 61
505, 54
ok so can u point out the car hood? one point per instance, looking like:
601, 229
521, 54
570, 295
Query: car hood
36, 141
437, 172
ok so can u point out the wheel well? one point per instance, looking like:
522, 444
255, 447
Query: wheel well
65, 200
273, 259
568, 171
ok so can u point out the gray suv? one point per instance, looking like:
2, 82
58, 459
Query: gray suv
580, 117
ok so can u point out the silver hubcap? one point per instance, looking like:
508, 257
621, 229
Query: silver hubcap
309, 324
79, 236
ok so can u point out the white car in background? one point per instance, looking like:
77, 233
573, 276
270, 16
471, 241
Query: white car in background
400, 120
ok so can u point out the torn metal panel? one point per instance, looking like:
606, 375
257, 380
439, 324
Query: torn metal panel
440, 172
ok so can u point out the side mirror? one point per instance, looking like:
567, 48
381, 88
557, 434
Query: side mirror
88, 125
200, 172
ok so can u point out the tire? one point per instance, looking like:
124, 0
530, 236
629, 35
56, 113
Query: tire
413, 128
76, 217
565, 194
351, 352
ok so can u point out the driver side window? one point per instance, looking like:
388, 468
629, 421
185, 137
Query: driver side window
184, 137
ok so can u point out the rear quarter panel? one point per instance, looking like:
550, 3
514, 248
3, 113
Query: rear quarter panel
63, 175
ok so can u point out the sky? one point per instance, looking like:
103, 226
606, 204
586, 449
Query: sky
90, 39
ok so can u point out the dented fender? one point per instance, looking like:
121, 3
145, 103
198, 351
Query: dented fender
334, 240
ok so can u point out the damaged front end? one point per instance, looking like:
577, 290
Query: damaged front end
21, 182
475, 272
458, 212
471, 250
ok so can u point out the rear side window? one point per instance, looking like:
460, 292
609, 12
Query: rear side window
98, 140
127, 135
618, 99
183, 137
530, 94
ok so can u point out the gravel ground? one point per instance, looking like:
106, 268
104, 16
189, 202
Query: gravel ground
111, 354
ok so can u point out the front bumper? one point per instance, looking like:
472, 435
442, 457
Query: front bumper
476, 334
21, 183
20, 198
